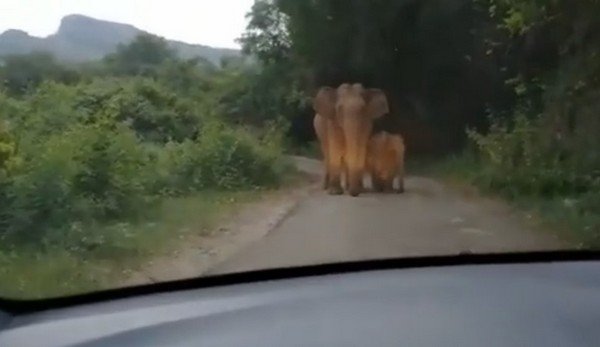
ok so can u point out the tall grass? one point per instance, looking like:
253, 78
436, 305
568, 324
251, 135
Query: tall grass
100, 256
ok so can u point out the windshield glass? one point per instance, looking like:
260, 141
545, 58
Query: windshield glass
148, 141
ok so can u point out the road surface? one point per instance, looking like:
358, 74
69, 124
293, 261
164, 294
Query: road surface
428, 219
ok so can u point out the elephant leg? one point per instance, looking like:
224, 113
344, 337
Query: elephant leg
400, 184
346, 177
361, 182
335, 156
321, 130
363, 167
325, 165
388, 185
401, 173
356, 162
377, 185
335, 184
325, 173
335, 171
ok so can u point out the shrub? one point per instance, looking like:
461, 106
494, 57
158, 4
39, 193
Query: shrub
86, 173
102, 151
46, 112
173, 168
21, 73
557, 176
233, 159
155, 114
112, 161
9, 162
221, 158
39, 195
521, 158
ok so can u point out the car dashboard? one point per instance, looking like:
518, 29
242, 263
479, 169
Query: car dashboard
530, 304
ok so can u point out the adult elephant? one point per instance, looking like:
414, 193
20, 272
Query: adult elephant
343, 123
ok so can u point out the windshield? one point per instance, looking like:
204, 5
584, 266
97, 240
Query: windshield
148, 141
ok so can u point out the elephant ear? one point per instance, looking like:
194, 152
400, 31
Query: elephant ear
324, 102
377, 104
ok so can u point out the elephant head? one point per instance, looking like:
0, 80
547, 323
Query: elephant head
350, 110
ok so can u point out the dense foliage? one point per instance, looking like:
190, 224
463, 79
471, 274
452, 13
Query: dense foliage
20, 73
548, 145
428, 56
110, 143
522, 75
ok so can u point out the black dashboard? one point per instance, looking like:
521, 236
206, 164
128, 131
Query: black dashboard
534, 304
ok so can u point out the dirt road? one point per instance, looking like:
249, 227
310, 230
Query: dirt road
428, 219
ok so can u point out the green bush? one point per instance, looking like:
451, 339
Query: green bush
47, 111
105, 149
221, 158
20, 73
9, 162
525, 161
172, 168
156, 114
112, 161
522, 158
233, 159
83, 174
7, 151
95, 173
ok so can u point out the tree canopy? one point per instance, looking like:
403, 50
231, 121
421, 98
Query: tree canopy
18, 73
444, 64
141, 55
425, 54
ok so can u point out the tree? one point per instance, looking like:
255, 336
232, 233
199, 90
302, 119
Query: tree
140, 57
188, 77
434, 76
266, 35
555, 73
19, 73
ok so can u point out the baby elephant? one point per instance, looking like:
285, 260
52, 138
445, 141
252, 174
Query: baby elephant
385, 161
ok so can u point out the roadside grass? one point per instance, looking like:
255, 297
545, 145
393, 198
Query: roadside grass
578, 225
106, 254
457, 169
575, 219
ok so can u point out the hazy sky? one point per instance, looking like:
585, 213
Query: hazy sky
209, 22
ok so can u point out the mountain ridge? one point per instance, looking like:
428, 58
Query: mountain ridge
82, 38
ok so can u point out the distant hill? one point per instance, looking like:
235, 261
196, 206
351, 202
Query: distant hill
80, 38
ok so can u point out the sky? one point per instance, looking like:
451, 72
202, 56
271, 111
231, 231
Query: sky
209, 22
